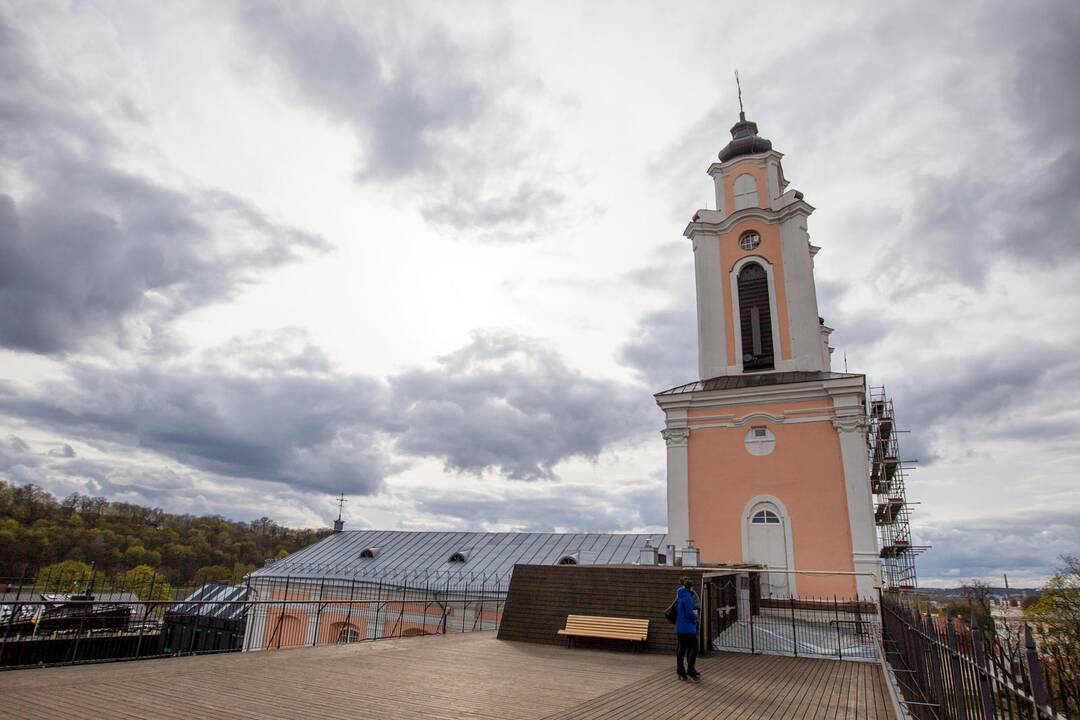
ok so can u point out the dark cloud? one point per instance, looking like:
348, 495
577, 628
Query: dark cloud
301, 429
561, 508
90, 252
270, 409
64, 451
424, 108
664, 347
510, 404
1026, 545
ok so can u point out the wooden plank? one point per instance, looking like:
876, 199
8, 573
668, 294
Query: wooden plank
472, 676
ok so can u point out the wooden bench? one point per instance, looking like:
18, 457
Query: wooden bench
612, 628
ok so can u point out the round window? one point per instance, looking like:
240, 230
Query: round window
759, 440
749, 240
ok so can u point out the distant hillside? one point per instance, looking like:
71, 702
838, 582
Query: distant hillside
37, 530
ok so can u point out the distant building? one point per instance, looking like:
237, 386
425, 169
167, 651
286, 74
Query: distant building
194, 626
374, 583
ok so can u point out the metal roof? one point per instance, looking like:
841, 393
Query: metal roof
413, 556
206, 599
730, 382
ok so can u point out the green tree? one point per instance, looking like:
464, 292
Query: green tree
147, 583
214, 574
64, 576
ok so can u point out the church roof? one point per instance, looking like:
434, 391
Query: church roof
744, 140
408, 557
731, 382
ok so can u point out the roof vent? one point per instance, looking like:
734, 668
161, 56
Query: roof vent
368, 553
458, 557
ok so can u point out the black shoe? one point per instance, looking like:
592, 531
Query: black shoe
682, 676
694, 675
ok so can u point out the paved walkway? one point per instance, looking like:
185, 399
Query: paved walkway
458, 676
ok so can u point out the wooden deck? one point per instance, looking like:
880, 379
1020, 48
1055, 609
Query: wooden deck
464, 676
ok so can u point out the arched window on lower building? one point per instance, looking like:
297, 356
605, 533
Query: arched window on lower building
348, 634
755, 318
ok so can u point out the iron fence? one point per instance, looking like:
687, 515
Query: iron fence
948, 669
800, 626
57, 621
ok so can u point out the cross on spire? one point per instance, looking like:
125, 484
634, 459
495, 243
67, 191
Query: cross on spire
738, 86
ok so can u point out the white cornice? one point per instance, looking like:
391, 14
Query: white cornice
760, 159
711, 222
791, 392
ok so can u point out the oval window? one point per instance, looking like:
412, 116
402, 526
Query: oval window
749, 240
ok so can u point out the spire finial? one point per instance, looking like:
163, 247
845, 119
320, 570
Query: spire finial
339, 524
738, 85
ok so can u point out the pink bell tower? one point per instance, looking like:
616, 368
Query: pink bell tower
766, 451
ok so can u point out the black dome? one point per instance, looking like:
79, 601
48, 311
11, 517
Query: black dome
744, 140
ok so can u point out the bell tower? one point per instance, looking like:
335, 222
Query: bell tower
754, 266
766, 451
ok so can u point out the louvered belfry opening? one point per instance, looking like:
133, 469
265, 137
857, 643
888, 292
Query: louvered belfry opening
755, 318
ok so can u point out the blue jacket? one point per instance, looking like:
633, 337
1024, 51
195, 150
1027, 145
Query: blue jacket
686, 622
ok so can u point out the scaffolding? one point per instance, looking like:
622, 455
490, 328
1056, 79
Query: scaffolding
892, 511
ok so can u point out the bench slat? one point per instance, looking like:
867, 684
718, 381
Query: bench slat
634, 629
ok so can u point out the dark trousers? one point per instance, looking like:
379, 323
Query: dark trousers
686, 648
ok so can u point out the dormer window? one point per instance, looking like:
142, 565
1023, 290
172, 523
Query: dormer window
458, 557
745, 191
749, 240
567, 560
368, 553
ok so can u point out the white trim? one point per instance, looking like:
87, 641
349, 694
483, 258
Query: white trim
678, 484
710, 222
852, 429
796, 421
736, 325
708, 281
744, 527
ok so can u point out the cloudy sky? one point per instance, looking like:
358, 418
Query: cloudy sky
430, 255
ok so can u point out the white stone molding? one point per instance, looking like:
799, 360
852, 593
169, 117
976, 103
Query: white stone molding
711, 306
851, 423
676, 437
851, 428
710, 222
800, 297
744, 526
678, 485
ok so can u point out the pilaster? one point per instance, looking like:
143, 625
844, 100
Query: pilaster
678, 484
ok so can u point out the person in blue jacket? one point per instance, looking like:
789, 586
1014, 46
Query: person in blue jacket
686, 625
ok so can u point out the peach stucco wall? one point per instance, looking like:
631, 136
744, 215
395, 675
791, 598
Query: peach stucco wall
731, 253
804, 471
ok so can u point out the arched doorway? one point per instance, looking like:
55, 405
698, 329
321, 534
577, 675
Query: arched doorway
767, 544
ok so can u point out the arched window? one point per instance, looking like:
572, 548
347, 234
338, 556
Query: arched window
755, 318
567, 560
368, 553
765, 517
457, 557
348, 634
745, 192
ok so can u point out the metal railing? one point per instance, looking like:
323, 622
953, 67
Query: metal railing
948, 669
40, 626
802, 627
